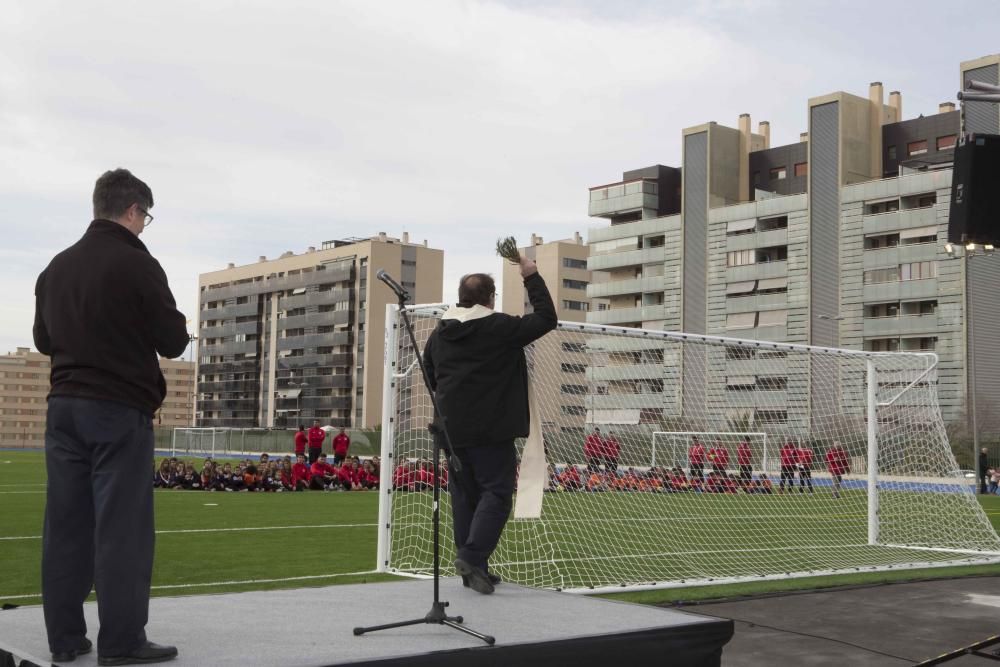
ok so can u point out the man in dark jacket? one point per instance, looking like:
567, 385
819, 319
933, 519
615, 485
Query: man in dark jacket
984, 465
103, 310
475, 360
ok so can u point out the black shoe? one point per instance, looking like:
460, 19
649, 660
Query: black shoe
70, 656
494, 579
479, 581
145, 654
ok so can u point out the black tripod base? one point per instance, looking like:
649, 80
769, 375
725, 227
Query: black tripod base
435, 615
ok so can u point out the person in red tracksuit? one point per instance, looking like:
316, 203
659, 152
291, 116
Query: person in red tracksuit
719, 456
316, 437
403, 478
341, 443
593, 450
612, 451
744, 459
368, 476
789, 457
838, 464
300, 473
346, 476
805, 468
301, 438
324, 475
696, 459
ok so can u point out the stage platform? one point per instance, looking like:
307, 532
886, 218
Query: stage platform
313, 626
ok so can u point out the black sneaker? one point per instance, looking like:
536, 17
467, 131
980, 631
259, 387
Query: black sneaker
479, 581
70, 656
144, 655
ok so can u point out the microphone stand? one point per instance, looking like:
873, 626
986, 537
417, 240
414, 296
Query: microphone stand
438, 428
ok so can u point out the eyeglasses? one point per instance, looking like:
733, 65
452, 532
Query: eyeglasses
147, 218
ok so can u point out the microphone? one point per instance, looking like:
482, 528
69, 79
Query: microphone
392, 284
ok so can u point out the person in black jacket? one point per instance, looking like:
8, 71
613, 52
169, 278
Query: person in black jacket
984, 466
475, 361
103, 310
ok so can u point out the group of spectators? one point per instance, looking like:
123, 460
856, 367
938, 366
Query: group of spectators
346, 473
602, 454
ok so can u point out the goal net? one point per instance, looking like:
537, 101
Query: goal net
850, 466
673, 448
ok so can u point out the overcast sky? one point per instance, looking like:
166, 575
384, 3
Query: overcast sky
271, 126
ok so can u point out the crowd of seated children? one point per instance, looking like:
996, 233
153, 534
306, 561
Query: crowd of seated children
654, 480
418, 475
267, 475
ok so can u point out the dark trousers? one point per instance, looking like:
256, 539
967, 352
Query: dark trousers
746, 474
698, 470
481, 499
787, 472
98, 523
314, 453
805, 477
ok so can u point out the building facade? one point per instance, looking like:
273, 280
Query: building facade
24, 387
288, 340
837, 240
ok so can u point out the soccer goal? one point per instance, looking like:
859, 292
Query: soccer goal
212, 442
672, 448
880, 488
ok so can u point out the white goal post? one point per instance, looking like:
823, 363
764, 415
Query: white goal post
872, 483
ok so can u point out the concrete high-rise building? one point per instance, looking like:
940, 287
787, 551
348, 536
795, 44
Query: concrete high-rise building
24, 386
835, 240
563, 265
300, 337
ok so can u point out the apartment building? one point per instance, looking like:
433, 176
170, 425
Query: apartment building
836, 240
284, 341
24, 387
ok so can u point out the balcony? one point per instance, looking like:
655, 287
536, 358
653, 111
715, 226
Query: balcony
634, 286
315, 361
625, 315
900, 254
778, 269
770, 238
229, 330
229, 312
744, 304
326, 319
625, 197
903, 325
315, 340
628, 401
901, 219
906, 290
639, 371
628, 258
325, 298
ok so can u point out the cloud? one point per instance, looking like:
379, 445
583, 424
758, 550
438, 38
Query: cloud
264, 127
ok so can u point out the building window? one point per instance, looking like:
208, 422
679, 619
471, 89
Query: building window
575, 305
741, 320
573, 410
801, 168
887, 275
573, 347
891, 153
778, 173
577, 389
882, 345
916, 147
770, 416
573, 368
918, 270
739, 257
574, 284
570, 263
946, 143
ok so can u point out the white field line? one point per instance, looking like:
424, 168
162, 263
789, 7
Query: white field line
7, 493
39, 484
224, 583
180, 531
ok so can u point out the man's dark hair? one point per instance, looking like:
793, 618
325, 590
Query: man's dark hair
476, 289
116, 190
301, 427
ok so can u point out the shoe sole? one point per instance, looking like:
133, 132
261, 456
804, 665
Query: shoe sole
476, 580
108, 662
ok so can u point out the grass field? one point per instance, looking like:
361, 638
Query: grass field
221, 542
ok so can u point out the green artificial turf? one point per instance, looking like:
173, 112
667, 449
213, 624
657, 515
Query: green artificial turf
224, 542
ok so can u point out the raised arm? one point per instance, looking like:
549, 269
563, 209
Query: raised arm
534, 325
